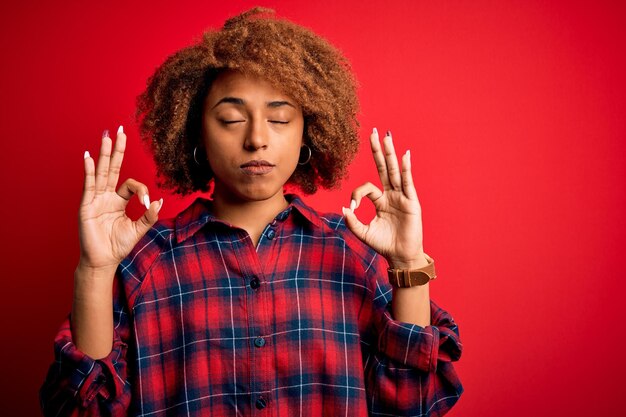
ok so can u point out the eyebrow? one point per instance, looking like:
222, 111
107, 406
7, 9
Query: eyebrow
241, 102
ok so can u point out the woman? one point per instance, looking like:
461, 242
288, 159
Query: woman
252, 302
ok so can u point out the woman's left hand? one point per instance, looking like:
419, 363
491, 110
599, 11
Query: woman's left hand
396, 231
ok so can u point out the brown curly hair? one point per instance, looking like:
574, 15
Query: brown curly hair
290, 57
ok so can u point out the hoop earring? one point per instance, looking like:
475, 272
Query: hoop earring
308, 159
194, 156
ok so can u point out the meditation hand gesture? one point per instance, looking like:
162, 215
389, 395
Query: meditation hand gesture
396, 231
107, 234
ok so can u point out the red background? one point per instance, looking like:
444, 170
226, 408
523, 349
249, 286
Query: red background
513, 110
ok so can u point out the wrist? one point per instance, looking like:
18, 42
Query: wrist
84, 269
411, 273
89, 282
418, 262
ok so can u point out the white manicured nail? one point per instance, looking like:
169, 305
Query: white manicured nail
160, 205
352, 205
120, 129
344, 210
375, 131
86, 155
146, 201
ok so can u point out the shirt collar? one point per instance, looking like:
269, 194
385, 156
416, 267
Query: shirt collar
198, 214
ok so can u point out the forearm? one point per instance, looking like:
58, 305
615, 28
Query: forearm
92, 312
411, 305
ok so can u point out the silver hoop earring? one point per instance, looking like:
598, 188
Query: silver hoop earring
308, 159
194, 156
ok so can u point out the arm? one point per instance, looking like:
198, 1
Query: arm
78, 384
106, 237
396, 231
89, 374
408, 368
412, 341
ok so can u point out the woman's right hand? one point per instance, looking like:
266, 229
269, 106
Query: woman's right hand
107, 234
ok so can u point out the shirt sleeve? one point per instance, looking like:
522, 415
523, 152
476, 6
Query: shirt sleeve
78, 385
408, 368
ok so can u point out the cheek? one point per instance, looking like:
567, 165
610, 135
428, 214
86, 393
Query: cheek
292, 149
298, 135
217, 154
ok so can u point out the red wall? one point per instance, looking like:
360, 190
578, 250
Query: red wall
513, 110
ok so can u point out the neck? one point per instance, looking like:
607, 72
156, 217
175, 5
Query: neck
252, 216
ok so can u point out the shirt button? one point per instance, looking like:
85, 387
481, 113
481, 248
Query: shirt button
282, 215
271, 234
254, 283
259, 342
261, 403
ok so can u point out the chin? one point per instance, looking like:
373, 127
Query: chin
256, 193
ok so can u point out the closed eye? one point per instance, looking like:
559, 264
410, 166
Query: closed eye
229, 122
279, 122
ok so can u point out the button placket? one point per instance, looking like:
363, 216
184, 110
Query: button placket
252, 263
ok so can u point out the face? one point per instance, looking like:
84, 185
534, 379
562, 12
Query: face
252, 133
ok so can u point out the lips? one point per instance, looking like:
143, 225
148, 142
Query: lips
257, 167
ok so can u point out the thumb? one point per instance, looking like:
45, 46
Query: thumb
354, 224
149, 218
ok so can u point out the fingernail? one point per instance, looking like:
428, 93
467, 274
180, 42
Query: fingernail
375, 131
146, 201
86, 155
160, 205
389, 133
352, 205
343, 210
408, 153
105, 134
120, 129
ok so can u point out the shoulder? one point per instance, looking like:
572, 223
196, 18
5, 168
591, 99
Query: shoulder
161, 239
335, 225
155, 242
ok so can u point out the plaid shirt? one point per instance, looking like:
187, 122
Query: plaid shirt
208, 324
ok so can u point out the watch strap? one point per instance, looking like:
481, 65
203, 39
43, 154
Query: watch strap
404, 278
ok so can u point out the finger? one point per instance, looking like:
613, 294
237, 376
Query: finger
393, 169
407, 177
130, 187
102, 170
379, 159
89, 186
354, 224
116, 159
368, 190
149, 218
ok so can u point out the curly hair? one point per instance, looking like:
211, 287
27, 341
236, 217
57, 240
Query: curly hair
256, 42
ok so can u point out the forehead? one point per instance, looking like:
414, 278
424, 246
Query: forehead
242, 85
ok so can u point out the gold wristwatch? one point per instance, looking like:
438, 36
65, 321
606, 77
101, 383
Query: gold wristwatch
404, 278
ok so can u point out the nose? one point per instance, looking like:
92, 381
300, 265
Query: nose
257, 135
